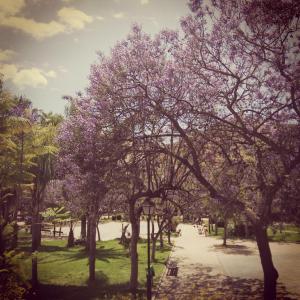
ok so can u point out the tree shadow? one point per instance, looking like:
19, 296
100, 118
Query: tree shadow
203, 283
100, 289
234, 249
66, 255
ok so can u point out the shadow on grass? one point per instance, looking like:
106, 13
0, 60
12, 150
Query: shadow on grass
69, 255
100, 289
234, 249
164, 249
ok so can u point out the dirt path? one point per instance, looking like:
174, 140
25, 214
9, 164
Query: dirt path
209, 271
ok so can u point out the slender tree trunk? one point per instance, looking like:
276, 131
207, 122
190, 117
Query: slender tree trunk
54, 229
14, 241
36, 229
209, 225
98, 232
71, 236
87, 242
83, 227
216, 228
225, 234
246, 230
92, 245
133, 248
270, 272
35, 242
169, 236
153, 249
161, 240
34, 271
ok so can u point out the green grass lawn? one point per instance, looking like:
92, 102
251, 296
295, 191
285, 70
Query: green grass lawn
63, 272
290, 234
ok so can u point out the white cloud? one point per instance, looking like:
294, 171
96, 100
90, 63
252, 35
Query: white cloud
51, 74
11, 7
21, 77
99, 18
62, 69
69, 19
30, 77
74, 18
38, 30
6, 55
8, 70
119, 15
143, 2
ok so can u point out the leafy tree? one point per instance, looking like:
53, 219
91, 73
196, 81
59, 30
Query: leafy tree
215, 87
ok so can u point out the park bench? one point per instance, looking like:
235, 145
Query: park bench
57, 231
172, 269
46, 228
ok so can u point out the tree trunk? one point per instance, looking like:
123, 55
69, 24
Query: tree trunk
169, 236
92, 246
133, 248
246, 230
208, 225
270, 273
225, 234
98, 233
35, 232
34, 271
87, 242
54, 229
71, 237
161, 240
83, 227
14, 241
216, 228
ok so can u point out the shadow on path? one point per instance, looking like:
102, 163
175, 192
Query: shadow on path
234, 249
203, 283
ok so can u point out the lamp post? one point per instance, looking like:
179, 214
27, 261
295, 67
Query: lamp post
148, 209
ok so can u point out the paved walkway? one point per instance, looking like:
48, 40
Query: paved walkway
209, 271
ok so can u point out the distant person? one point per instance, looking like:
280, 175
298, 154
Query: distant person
205, 230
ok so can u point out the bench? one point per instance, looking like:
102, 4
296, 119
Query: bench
172, 269
46, 230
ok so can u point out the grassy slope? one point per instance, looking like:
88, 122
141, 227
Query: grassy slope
63, 272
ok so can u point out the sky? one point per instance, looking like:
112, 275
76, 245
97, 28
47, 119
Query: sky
48, 46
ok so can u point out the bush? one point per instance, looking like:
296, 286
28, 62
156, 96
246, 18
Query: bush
13, 286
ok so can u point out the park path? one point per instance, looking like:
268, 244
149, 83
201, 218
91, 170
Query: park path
209, 271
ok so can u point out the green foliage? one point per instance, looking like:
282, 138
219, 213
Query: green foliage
289, 233
13, 285
56, 214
